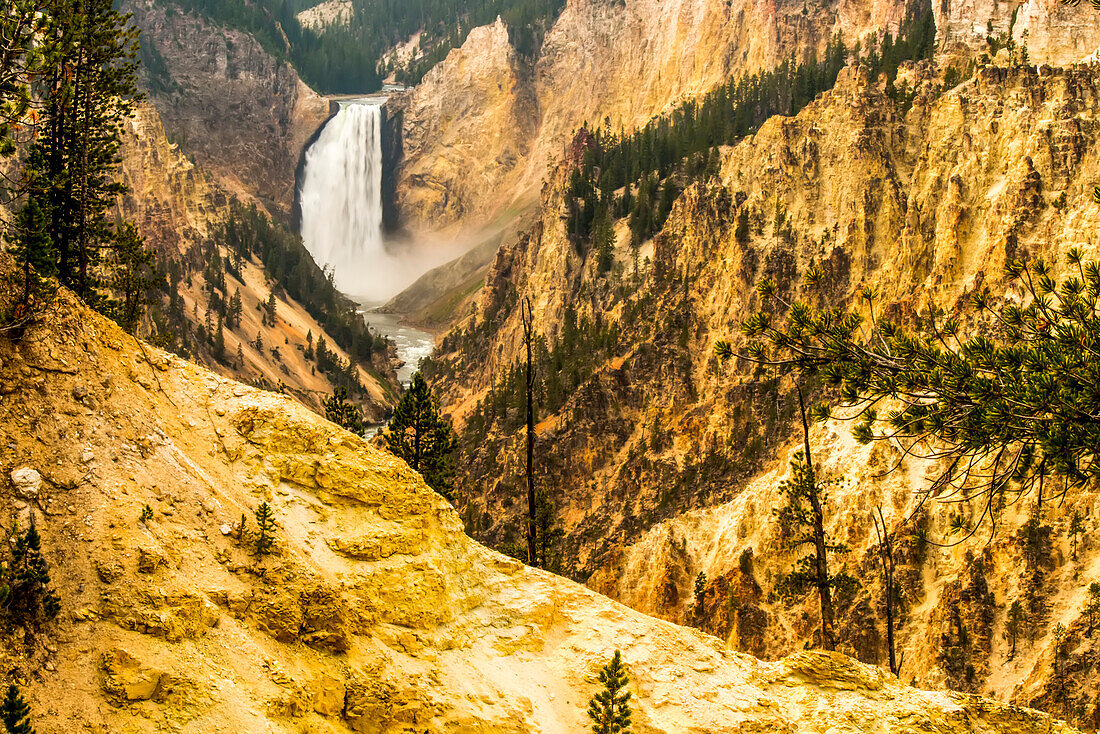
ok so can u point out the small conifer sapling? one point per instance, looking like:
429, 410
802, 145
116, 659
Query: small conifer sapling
16, 713
609, 709
243, 533
265, 533
1014, 625
30, 600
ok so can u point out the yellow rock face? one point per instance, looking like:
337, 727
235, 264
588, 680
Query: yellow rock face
483, 126
374, 613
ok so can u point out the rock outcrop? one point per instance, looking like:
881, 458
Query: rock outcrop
326, 14
466, 129
239, 112
373, 614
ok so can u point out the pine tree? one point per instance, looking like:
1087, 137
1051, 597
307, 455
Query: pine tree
31, 246
1000, 411
88, 87
890, 589
342, 413
265, 529
548, 534
609, 709
604, 242
30, 600
419, 434
219, 339
16, 713
1076, 527
741, 232
700, 596
233, 317
1014, 626
1061, 656
527, 318
802, 523
133, 277
1092, 606
22, 53
269, 310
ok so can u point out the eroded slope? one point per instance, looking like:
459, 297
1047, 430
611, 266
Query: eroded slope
374, 614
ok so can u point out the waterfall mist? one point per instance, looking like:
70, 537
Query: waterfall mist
341, 205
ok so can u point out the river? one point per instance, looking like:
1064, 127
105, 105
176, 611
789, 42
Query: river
412, 344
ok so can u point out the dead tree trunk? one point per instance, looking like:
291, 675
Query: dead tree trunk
822, 581
886, 556
532, 546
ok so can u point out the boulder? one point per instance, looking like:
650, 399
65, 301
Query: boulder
125, 677
27, 482
328, 695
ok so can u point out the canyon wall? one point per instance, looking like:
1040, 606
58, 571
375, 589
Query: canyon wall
483, 126
467, 128
662, 464
238, 111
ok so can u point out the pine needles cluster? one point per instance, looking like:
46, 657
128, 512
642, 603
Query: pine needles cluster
1001, 411
15, 712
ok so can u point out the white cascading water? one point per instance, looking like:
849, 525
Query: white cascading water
341, 205
341, 201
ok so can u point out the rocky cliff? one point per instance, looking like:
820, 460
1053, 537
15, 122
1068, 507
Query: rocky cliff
239, 112
661, 465
373, 613
466, 128
484, 126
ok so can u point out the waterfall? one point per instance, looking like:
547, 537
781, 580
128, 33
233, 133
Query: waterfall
341, 199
